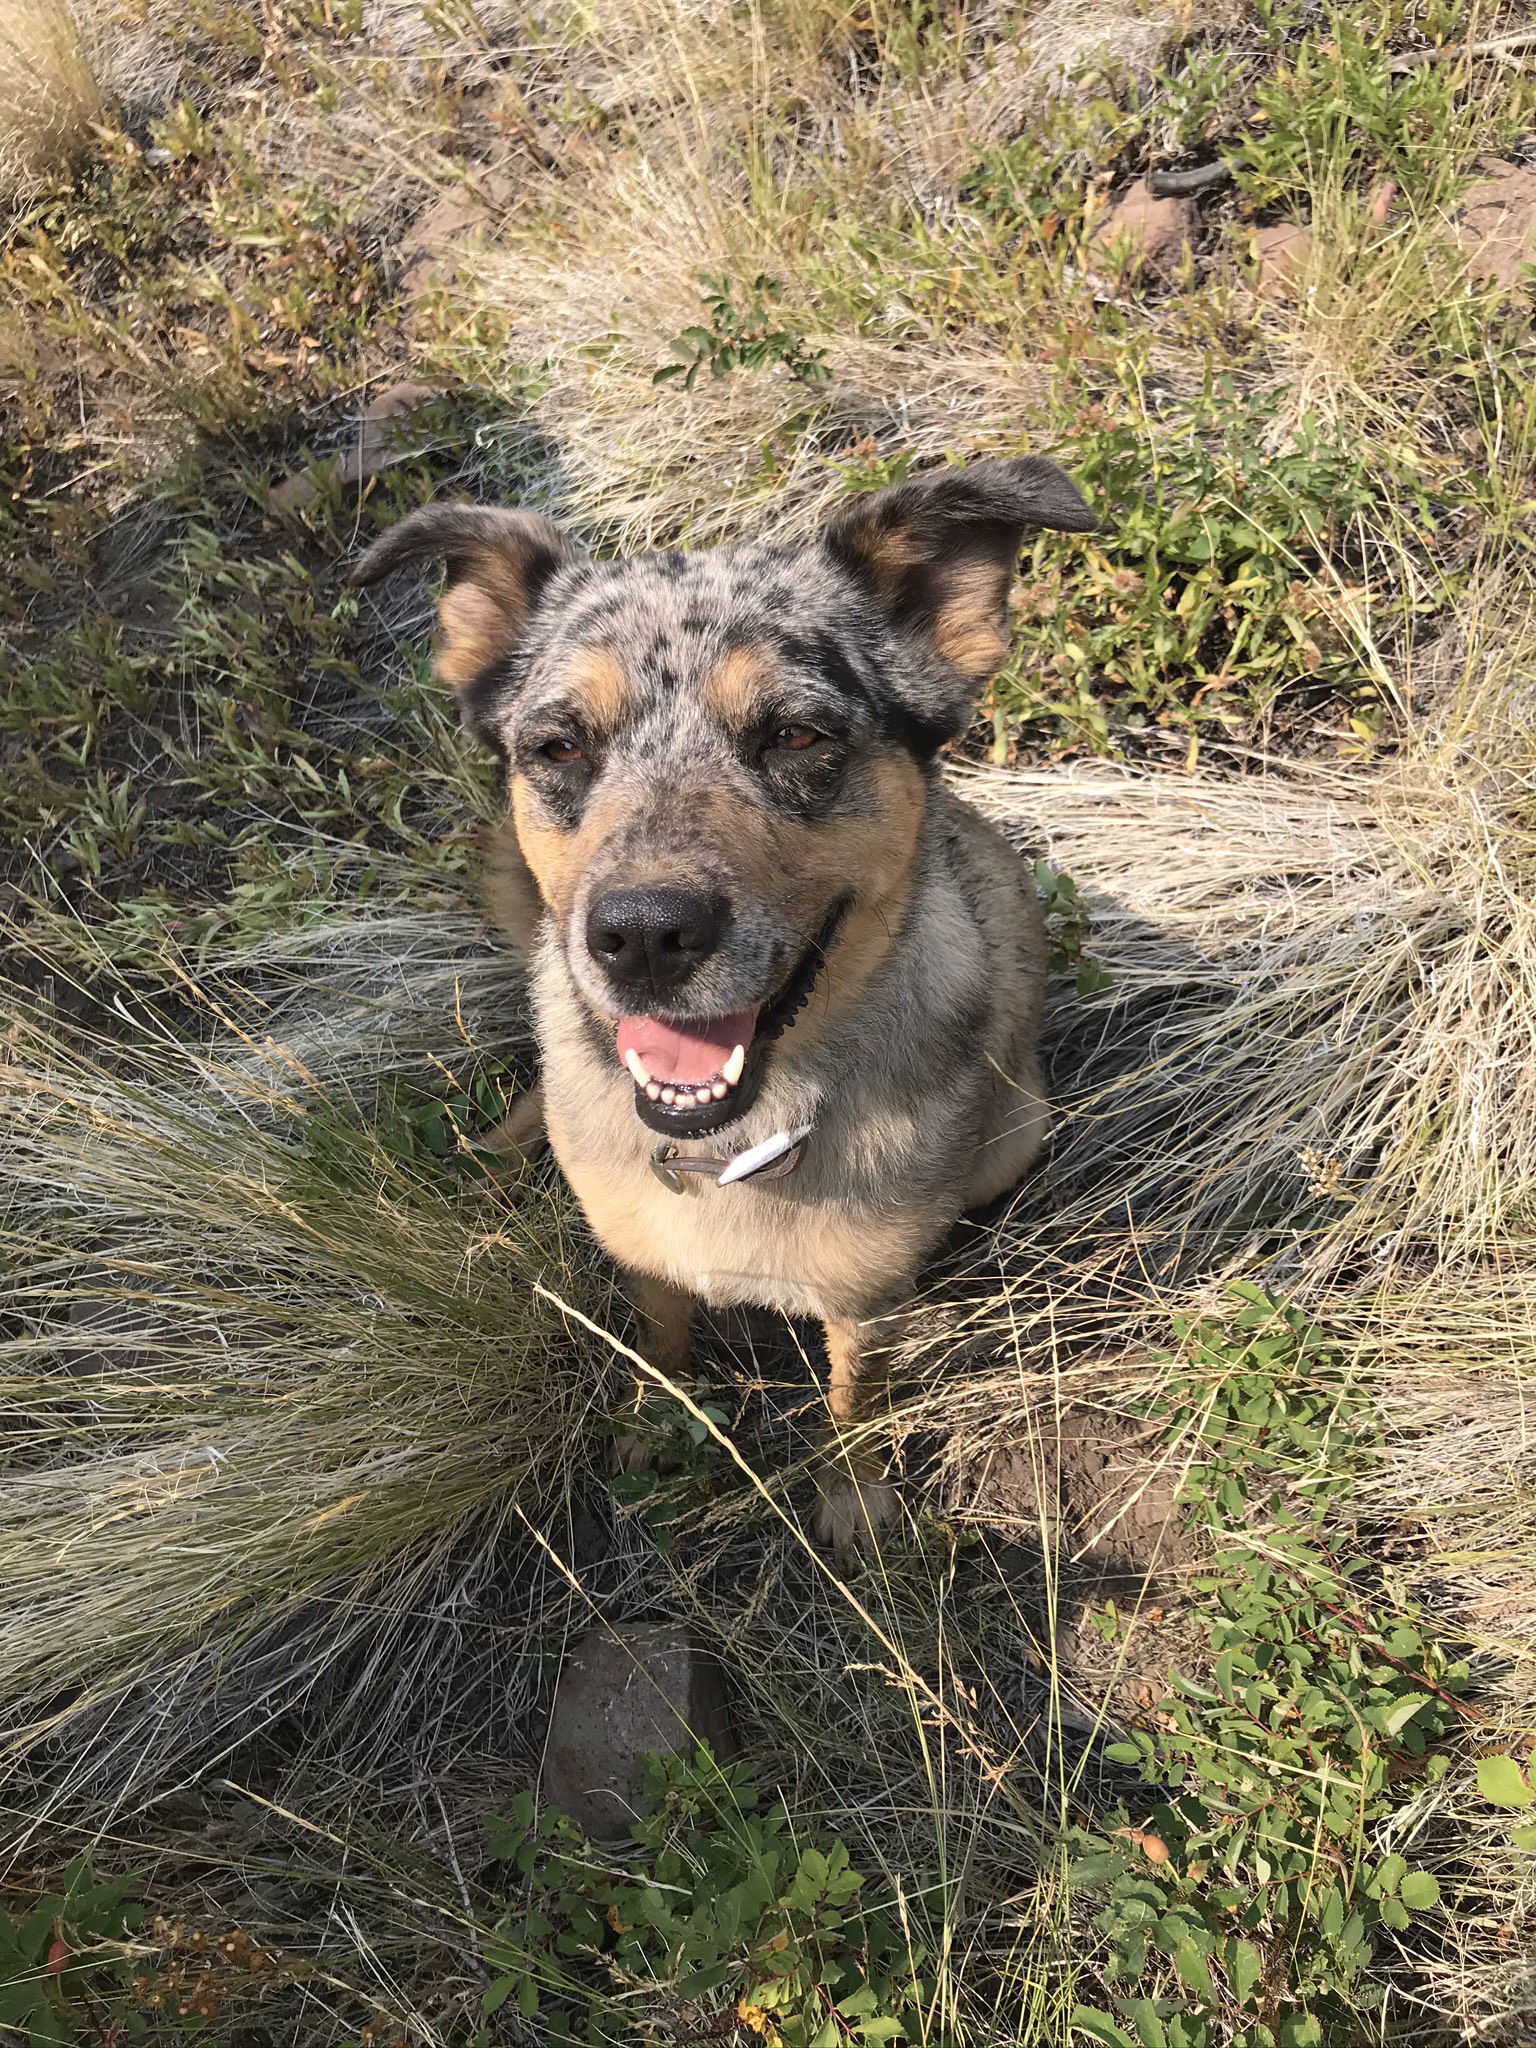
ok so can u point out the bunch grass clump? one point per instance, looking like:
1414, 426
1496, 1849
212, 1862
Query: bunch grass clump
50, 95
275, 1378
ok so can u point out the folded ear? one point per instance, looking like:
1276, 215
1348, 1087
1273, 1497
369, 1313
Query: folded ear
498, 564
939, 551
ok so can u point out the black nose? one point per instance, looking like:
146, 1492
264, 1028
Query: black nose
654, 938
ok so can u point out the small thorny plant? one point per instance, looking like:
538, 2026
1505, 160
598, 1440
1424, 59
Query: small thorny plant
746, 337
682, 1465
1246, 1901
719, 1907
1067, 924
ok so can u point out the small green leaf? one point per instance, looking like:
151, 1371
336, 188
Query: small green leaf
1098, 2026
1419, 1891
1390, 1872
1245, 1968
1501, 1780
1397, 1718
1191, 1966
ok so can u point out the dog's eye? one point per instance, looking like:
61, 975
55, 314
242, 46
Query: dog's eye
796, 738
562, 751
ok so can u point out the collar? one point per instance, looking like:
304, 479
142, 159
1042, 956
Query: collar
771, 1160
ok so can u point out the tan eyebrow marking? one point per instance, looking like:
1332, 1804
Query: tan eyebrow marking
599, 679
735, 687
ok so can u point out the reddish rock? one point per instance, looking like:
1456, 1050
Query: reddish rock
1282, 254
1144, 232
1495, 224
384, 437
448, 223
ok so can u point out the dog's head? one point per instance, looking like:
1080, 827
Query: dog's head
717, 763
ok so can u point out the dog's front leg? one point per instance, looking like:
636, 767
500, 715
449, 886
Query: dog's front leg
666, 1341
857, 1501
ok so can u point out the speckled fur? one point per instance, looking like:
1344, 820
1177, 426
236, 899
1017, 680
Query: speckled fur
914, 1061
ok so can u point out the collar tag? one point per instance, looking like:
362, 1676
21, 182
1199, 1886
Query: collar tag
771, 1152
771, 1160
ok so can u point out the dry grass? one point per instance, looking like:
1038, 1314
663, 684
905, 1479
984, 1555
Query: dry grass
280, 1400
50, 95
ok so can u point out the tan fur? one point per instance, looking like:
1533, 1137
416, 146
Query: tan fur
967, 630
735, 687
557, 859
475, 625
507, 886
598, 678
889, 552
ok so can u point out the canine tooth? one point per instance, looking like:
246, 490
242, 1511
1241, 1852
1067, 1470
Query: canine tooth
653, 1089
636, 1066
669, 1095
719, 1091
730, 1073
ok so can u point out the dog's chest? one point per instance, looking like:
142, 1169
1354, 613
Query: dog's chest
765, 1244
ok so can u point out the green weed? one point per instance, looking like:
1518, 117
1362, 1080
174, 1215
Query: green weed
720, 1907
743, 337
1250, 1895
65, 1964
1222, 580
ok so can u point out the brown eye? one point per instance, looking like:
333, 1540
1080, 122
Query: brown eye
562, 751
796, 738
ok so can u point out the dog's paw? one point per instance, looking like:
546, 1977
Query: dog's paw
853, 1510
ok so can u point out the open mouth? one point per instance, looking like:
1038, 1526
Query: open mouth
695, 1075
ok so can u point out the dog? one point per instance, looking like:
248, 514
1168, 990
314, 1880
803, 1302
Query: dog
787, 986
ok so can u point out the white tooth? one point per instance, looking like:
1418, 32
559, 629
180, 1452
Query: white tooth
701, 1096
669, 1095
653, 1089
636, 1066
719, 1091
730, 1073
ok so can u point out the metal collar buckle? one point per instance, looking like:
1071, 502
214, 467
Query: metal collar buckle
771, 1160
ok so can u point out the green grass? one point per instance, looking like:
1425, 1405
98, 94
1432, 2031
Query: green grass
307, 1419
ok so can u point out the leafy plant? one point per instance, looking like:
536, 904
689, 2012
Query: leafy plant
1067, 923
64, 1965
1255, 1883
1334, 101
1509, 1781
746, 337
717, 1904
1223, 576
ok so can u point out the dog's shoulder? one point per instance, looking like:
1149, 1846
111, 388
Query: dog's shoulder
995, 880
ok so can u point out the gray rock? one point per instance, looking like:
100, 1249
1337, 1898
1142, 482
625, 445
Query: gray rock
625, 1693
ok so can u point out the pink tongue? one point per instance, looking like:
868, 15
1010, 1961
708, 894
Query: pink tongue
695, 1051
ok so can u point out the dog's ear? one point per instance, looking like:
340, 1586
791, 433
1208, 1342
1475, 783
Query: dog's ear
498, 564
939, 551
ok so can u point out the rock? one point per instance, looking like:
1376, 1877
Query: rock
1495, 224
625, 1693
1282, 254
1089, 1486
383, 438
1144, 232
448, 223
